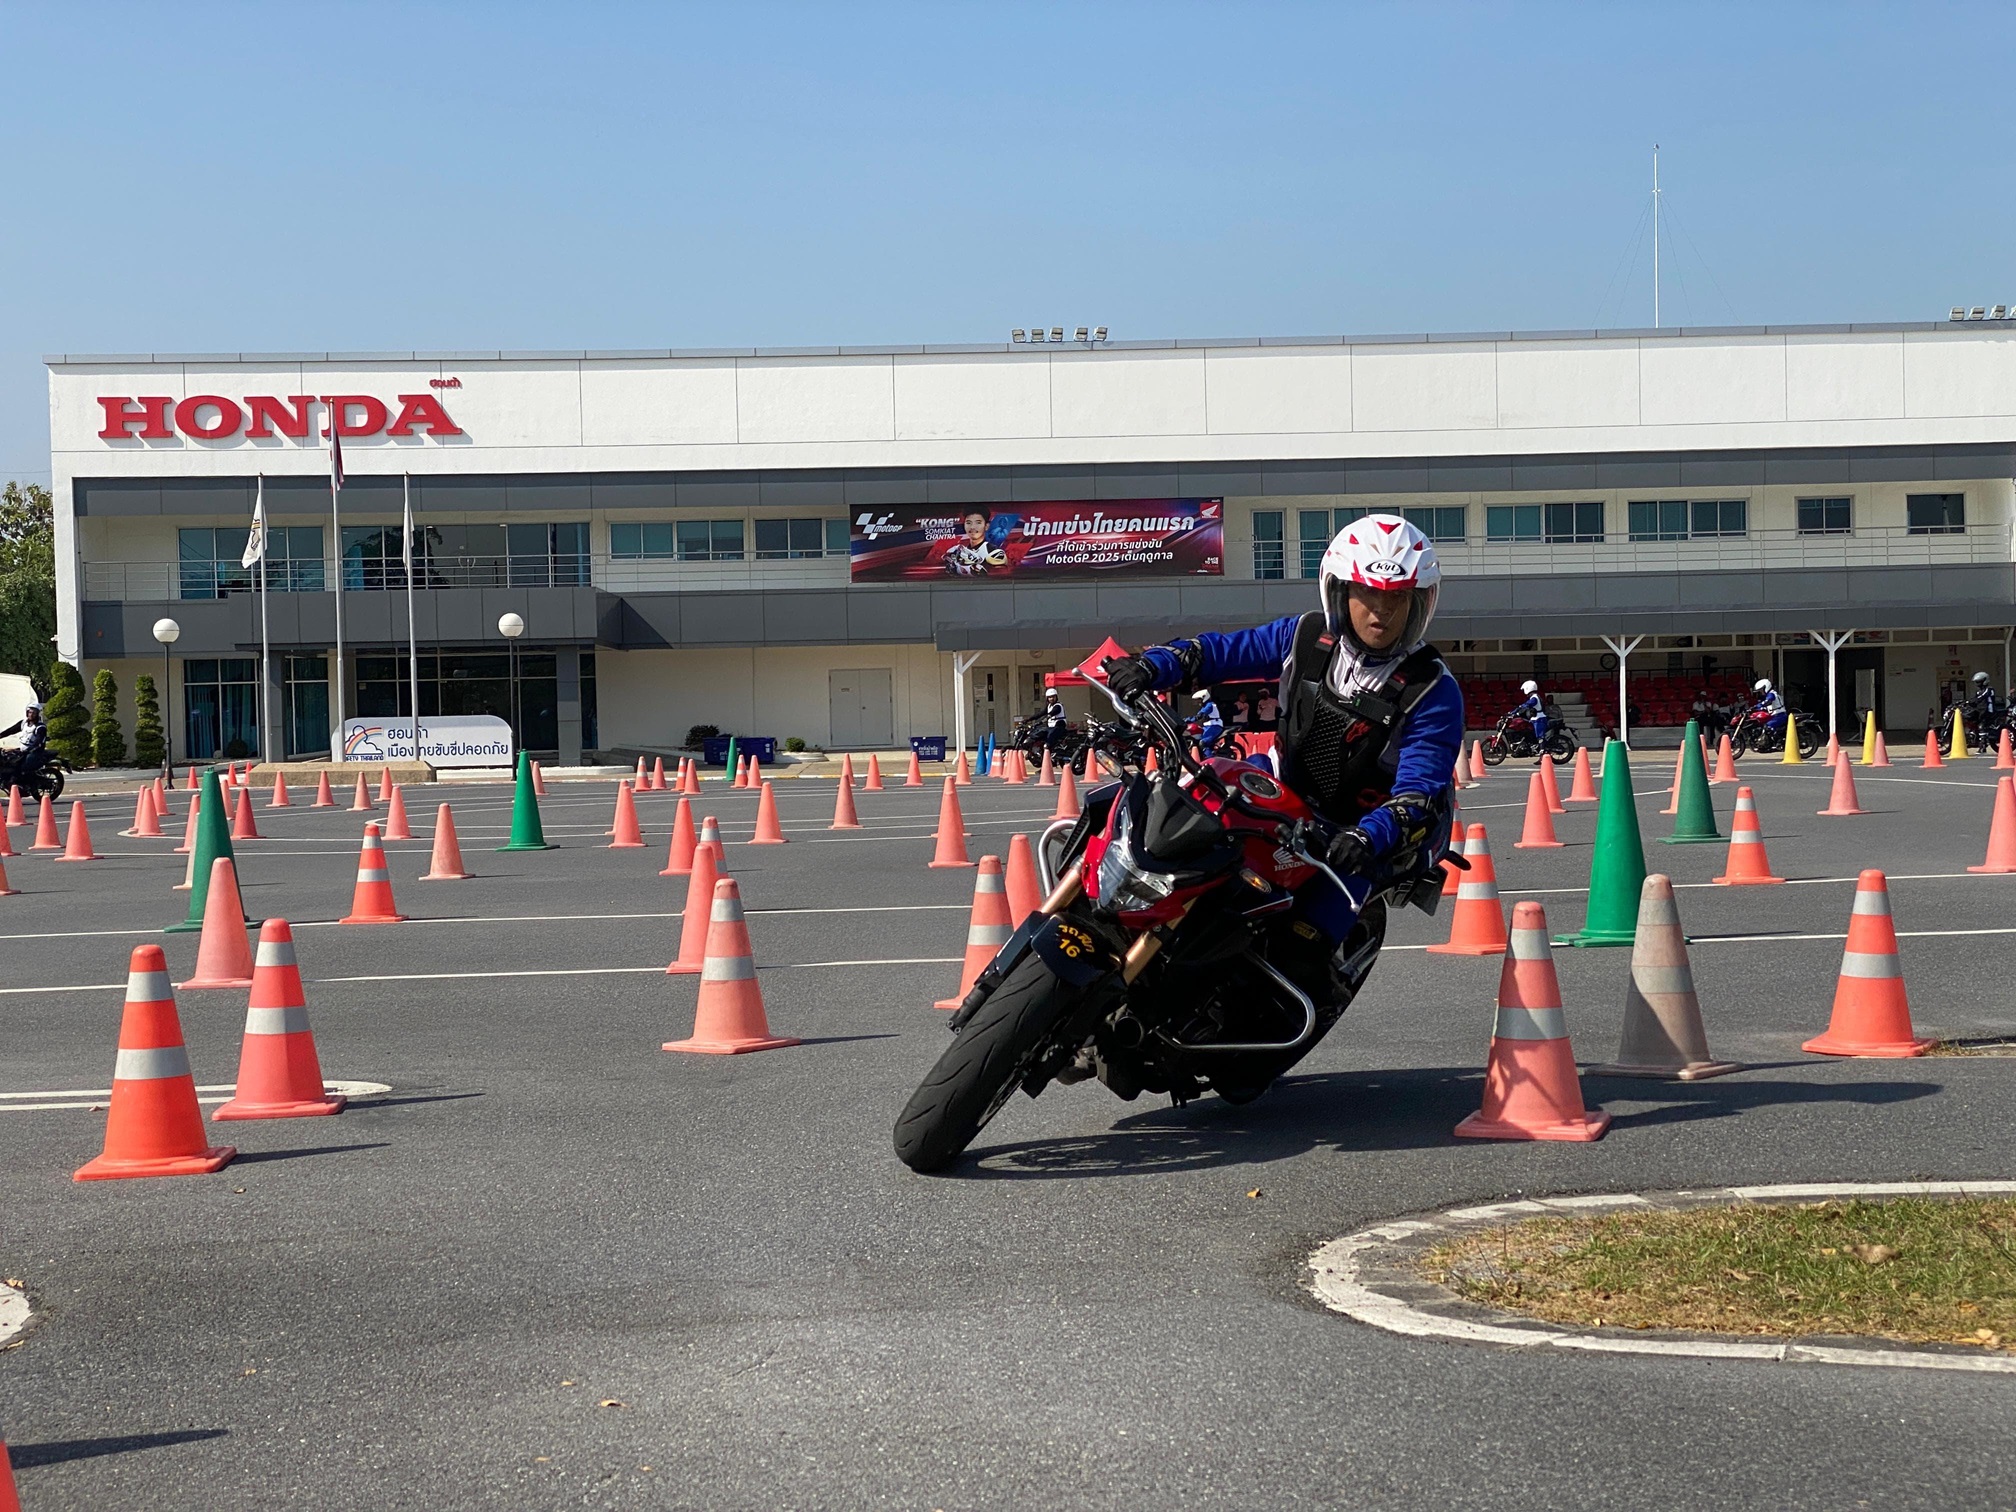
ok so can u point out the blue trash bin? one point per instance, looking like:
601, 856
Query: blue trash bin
928, 747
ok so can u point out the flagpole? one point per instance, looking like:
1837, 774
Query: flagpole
336, 526
412, 636
265, 640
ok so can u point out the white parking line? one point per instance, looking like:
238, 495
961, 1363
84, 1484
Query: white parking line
13, 1102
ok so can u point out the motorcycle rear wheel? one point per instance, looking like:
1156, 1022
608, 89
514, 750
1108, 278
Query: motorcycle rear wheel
1560, 744
983, 1066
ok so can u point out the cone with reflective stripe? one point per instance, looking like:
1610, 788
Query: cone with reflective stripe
625, 835
1725, 762
1663, 1034
768, 831
527, 833
1452, 874
372, 903
729, 1018
987, 928
362, 804
710, 834
1932, 756
1067, 794
1957, 749
1531, 1089
951, 849
1872, 1014
1747, 864
1477, 924
2001, 855
538, 780
741, 772
874, 782
1025, 888
279, 1073
1046, 775
1882, 752
915, 777
1693, 809
1869, 737
2005, 760
844, 816
1583, 788
396, 825
281, 797
46, 837
244, 826
1841, 801
16, 814
446, 863
642, 776
1617, 863
153, 1127
679, 854
1551, 784
1539, 831
693, 919
324, 798
224, 951
77, 836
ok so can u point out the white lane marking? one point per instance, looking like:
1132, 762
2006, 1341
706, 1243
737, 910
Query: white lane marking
10, 1102
456, 976
13, 1313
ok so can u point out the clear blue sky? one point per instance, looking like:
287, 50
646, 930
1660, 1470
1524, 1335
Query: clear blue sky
267, 177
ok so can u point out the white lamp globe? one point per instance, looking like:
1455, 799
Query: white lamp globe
511, 626
167, 631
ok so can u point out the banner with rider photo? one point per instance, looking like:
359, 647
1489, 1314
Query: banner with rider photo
1052, 541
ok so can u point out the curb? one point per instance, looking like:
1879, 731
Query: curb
1373, 1276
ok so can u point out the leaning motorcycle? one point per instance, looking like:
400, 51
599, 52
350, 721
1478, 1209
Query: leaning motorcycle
1514, 737
1166, 957
1752, 731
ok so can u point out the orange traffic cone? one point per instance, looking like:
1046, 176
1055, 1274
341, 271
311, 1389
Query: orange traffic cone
538, 780
642, 776
679, 854
1046, 775
2001, 831
1673, 793
1841, 802
1663, 1033
986, 931
244, 826
1462, 774
844, 816
741, 772
362, 803
1531, 1089
5, 890
223, 950
143, 807
874, 782
1539, 831
1067, 794
625, 834
1550, 784
2005, 759
656, 782
279, 1073
446, 864
729, 1018
77, 836
964, 774
1016, 773
1452, 874
1747, 864
1154, 762
149, 827
324, 798
755, 772
1933, 758
154, 1127
768, 831
396, 827
1025, 888
188, 845
1833, 749
1477, 926
916, 774
951, 830
195, 783
710, 834
46, 837
1477, 761
1725, 762
1583, 788
385, 784
281, 797
1882, 751
1872, 1014
693, 921
6, 836
15, 813
372, 902
847, 770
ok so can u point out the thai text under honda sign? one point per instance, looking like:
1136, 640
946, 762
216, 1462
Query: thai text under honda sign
446, 740
1080, 538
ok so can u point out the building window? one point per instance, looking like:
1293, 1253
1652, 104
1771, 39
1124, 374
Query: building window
1312, 533
1315, 527
1551, 522
209, 566
1935, 514
543, 556
1444, 522
220, 706
784, 540
372, 557
468, 682
590, 725
687, 540
304, 720
1269, 560
1825, 517
1688, 519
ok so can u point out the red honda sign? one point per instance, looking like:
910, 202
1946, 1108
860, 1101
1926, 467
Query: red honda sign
213, 417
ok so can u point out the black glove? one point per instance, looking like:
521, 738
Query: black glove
1128, 676
1351, 853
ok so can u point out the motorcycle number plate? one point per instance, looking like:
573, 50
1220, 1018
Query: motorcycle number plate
1260, 785
1071, 952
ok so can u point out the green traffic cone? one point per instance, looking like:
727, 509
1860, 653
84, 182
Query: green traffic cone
526, 831
1694, 814
732, 758
1617, 865
213, 839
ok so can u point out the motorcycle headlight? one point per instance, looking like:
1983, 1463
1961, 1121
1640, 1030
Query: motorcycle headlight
1122, 887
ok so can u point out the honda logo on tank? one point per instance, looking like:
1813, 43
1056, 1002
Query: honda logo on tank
260, 417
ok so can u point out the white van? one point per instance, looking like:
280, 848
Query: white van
16, 693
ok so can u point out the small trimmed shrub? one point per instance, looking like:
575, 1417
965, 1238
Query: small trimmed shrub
69, 723
150, 743
108, 741
793, 743
699, 734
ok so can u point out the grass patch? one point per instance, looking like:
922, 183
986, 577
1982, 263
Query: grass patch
2000, 1045
1920, 1269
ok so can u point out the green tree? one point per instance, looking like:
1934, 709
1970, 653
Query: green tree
150, 745
27, 580
69, 724
108, 741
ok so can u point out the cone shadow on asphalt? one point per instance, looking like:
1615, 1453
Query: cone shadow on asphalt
1362, 1111
60, 1451
257, 1156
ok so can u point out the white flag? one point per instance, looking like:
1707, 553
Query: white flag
255, 541
406, 536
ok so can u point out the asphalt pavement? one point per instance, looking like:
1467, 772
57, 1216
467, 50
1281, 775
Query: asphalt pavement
556, 1267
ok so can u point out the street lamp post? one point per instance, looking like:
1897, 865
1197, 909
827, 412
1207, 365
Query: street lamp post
511, 626
167, 632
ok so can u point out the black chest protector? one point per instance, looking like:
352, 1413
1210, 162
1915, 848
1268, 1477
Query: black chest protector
1331, 749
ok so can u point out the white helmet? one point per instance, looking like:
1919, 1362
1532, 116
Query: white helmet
1981, 677
1381, 551
1529, 688
1762, 685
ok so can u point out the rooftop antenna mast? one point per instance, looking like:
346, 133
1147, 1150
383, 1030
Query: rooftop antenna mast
1655, 236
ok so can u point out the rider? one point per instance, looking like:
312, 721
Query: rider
1207, 727
1370, 718
1055, 724
1769, 705
1535, 711
1984, 705
32, 751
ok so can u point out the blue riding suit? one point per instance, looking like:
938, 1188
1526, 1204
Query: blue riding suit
1403, 809
1535, 709
1772, 706
1210, 725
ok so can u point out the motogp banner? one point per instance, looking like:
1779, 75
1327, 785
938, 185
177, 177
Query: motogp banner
1074, 538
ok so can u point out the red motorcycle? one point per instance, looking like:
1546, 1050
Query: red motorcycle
1168, 956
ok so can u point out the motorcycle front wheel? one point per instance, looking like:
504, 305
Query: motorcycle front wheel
982, 1067
1495, 750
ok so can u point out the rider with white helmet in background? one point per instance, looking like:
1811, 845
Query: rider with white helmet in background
1769, 703
1371, 720
1535, 710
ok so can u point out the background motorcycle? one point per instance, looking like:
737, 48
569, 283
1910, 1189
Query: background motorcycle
1514, 737
46, 781
1167, 956
1751, 732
